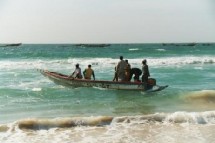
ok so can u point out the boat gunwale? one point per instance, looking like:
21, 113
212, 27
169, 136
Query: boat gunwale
66, 77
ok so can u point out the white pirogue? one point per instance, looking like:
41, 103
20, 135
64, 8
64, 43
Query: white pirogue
68, 81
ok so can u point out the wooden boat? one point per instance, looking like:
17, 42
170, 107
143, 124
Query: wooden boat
15, 44
71, 82
92, 45
11, 45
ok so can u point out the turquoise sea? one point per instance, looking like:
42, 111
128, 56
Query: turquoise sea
34, 109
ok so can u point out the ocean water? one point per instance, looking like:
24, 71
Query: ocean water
34, 109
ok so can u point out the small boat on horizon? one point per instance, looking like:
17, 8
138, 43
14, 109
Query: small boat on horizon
11, 45
92, 45
179, 44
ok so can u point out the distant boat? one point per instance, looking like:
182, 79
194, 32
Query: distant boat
16, 44
11, 45
92, 45
206, 44
179, 44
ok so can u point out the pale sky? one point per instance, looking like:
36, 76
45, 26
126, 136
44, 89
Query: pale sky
107, 21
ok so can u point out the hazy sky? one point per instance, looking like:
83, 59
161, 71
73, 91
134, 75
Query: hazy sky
107, 21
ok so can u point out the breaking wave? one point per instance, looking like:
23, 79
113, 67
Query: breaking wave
63, 122
204, 95
207, 117
102, 62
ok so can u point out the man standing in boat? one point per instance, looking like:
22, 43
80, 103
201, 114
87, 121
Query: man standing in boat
146, 74
77, 72
120, 69
127, 71
88, 72
115, 78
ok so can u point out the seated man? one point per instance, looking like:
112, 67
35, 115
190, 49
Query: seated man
77, 72
88, 72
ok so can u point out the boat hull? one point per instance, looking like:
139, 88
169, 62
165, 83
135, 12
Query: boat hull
71, 82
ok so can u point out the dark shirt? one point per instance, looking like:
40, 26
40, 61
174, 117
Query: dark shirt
145, 70
136, 72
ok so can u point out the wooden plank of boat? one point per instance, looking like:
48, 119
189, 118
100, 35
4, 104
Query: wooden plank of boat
68, 81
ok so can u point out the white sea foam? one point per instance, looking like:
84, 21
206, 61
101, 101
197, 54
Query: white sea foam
160, 127
134, 49
162, 50
99, 63
207, 117
36, 89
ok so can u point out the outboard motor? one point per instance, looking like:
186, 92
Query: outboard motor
152, 81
